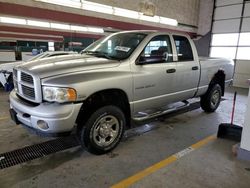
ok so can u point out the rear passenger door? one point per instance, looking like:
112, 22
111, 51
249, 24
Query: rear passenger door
187, 68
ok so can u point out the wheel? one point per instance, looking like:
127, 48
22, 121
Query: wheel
103, 130
211, 100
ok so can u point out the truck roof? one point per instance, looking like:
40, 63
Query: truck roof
155, 31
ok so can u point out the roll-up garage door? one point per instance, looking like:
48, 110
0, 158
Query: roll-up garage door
231, 36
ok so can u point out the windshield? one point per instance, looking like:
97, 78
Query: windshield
117, 46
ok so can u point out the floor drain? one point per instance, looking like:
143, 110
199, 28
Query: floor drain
28, 153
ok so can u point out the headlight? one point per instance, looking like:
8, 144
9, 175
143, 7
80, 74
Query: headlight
56, 94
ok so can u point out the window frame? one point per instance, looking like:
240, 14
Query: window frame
176, 50
170, 44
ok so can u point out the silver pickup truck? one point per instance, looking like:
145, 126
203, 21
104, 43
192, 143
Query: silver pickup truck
125, 77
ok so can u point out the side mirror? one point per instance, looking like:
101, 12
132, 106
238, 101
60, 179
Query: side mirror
142, 60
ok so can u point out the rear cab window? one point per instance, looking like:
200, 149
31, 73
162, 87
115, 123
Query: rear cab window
183, 48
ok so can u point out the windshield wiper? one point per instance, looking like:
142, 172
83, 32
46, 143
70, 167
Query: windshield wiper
98, 54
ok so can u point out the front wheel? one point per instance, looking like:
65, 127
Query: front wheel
211, 100
103, 130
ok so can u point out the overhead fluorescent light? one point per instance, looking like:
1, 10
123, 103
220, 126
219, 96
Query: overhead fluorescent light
38, 23
11, 20
78, 28
86, 29
95, 30
97, 7
60, 26
53, 25
149, 18
67, 3
168, 21
126, 13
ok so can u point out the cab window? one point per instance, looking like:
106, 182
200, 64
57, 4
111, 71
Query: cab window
158, 50
183, 48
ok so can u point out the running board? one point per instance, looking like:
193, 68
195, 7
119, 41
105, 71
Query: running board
160, 113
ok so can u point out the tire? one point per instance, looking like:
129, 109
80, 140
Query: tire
103, 130
211, 100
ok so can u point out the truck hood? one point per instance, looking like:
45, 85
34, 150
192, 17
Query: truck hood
60, 65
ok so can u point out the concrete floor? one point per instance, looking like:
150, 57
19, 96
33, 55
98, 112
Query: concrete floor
210, 166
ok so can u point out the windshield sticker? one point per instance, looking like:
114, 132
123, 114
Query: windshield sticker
122, 48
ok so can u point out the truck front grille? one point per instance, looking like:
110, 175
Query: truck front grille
28, 92
27, 78
27, 86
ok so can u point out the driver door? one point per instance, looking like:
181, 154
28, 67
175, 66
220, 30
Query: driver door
154, 74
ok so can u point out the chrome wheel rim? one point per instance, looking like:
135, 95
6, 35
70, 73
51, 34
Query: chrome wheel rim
106, 130
215, 99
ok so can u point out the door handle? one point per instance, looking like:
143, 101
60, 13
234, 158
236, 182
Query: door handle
171, 70
195, 68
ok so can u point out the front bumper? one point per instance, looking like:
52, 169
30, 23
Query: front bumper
59, 117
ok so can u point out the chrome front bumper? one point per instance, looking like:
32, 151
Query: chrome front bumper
59, 117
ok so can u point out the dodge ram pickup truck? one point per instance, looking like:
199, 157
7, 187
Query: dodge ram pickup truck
121, 78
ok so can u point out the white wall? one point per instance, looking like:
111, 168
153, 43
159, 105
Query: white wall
205, 17
245, 138
242, 73
6, 56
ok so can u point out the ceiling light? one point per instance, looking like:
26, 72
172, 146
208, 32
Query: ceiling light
96, 7
95, 30
68, 3
38, 23
78, 28
60, 26
168, 21
126, 13
13, 20
149, 18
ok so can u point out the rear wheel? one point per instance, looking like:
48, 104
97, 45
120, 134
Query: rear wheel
103, 130
211, 100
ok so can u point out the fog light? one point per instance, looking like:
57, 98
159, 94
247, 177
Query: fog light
42, 124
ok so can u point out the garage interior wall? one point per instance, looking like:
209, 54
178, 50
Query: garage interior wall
189, 10
231, 36
203, 39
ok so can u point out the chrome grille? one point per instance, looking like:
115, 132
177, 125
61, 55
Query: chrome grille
27, 78
27, 86
28, 92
